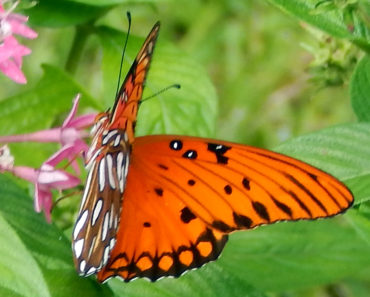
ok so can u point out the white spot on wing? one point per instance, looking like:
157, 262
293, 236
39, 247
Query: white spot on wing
106, 255
121, 185
110, 171
97, 210
117, 140
82, 266
80, 223
105, 226
78, 246
102, 174
119, 165
126, 165
91, 247
109, 136
112, 242
92, 159
115, 222
86, 190
92, 270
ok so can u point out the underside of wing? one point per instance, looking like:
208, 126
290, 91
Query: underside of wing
126, 105
184, 194
94, 233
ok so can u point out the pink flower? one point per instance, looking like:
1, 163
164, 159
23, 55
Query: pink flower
48, 177
11, 52
69, 134
45, 179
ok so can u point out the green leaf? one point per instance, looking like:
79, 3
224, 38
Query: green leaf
360, 186
190, 110
111, 2
292, 255
37, 109
36, 258
360, 90
61, 13
332, 21
341, 150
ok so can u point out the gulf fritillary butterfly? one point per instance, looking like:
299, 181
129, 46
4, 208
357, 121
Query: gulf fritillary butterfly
159, 205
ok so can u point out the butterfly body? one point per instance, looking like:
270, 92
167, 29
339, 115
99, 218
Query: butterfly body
159, 205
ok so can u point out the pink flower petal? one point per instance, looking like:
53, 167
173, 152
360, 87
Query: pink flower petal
10, 69
83, 121
73, 111
60, 155
43, 200
27, 173
38, 198
11, 48
50, 135
21, 29
79, 147
18, 17
56, 179
69, 135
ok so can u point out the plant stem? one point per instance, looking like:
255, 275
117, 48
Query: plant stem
79, 41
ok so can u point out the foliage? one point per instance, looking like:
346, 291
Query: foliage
243, 77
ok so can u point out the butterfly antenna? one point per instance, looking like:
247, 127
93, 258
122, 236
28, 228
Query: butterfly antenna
74, 193
176, 86
123, 51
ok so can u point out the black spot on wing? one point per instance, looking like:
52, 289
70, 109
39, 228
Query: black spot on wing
176, 145
221, 226
300, 202
186, 215
159, 191
219, 150
190, 154
242, 221
261, 210
285, 208
147, 224
228, 190
191, 182
164, 167
246, 184
308, 192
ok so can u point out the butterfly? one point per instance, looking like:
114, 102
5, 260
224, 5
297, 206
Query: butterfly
159, 205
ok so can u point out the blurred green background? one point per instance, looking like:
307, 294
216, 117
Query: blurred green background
273, 77
269, 86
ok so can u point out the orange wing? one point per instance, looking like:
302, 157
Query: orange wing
184, 194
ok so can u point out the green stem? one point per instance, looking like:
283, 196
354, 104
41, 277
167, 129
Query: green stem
75, 54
